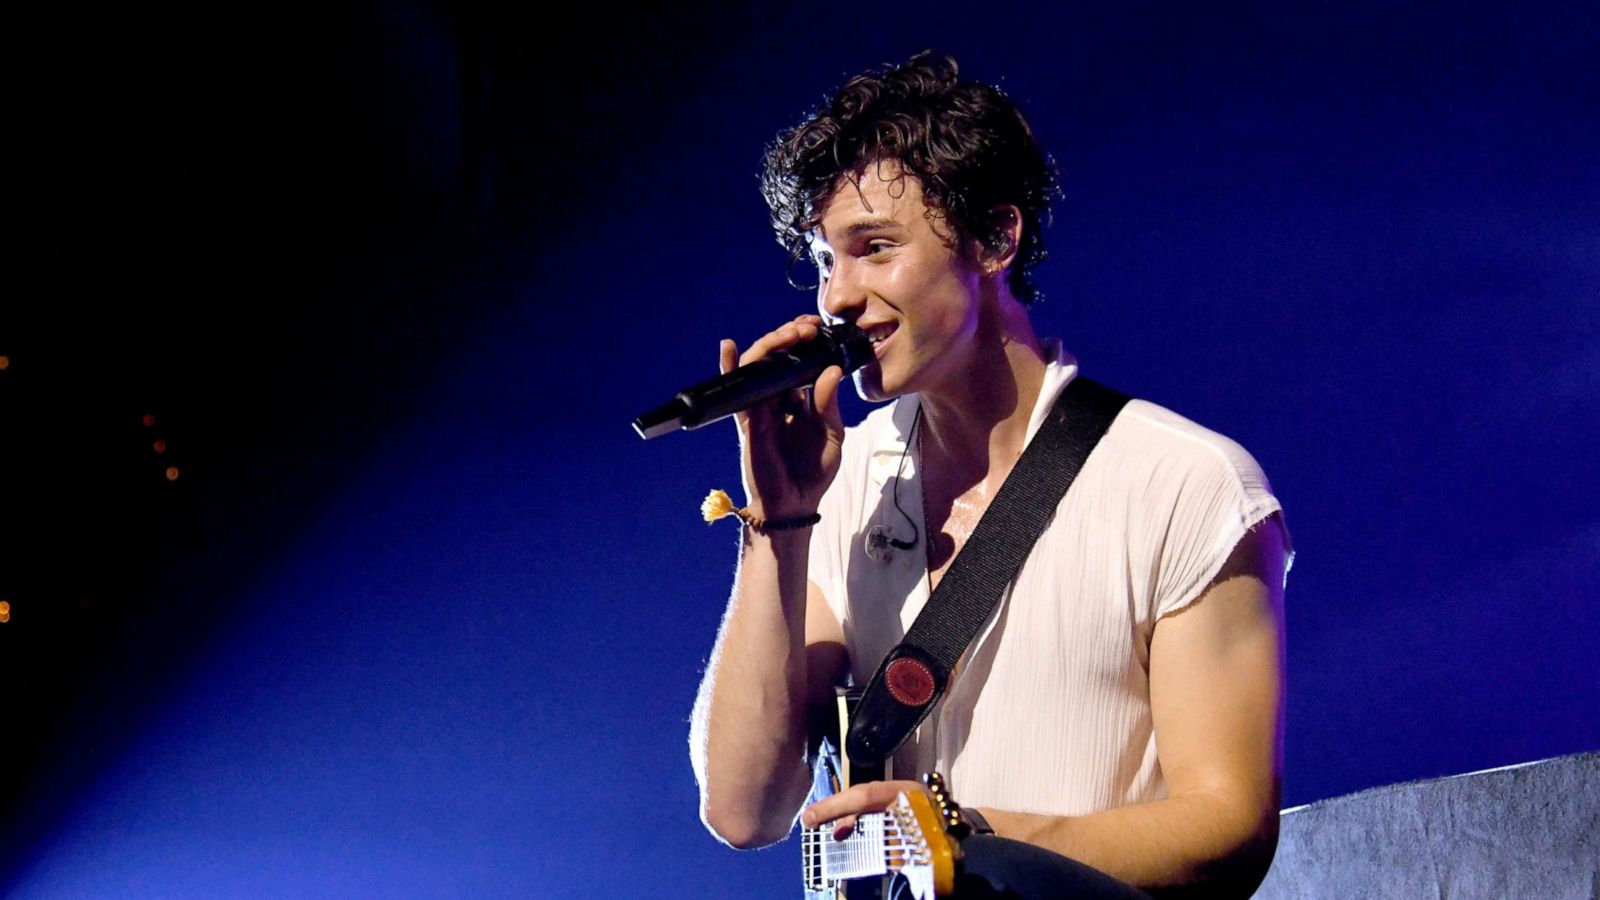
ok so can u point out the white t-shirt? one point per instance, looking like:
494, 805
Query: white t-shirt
1049, 711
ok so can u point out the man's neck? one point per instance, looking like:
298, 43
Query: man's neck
976, 427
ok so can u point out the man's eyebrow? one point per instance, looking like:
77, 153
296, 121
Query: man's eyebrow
874, 224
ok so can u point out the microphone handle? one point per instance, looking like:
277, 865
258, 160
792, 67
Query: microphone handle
718, 398
747, 386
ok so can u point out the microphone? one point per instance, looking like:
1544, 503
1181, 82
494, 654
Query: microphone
842, 345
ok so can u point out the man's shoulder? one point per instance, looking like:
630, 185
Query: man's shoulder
1147, 437
1153, 422
1185, 492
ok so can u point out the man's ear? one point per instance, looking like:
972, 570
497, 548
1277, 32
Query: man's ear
1004, 236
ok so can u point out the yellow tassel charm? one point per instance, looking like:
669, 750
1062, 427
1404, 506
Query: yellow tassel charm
717, 505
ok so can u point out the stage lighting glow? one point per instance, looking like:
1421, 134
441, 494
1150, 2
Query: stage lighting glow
172, 473
5, 610
160, 446
5, 363
148, 420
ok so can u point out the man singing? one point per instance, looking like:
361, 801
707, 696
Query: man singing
1117, 722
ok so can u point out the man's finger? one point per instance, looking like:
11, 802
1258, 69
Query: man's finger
777, 339
825, 397
858, 798
780, 338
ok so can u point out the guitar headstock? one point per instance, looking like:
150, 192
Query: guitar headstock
930, 854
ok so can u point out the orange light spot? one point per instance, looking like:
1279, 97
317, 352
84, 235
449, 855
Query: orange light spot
148, 420
159, 446
172, 473
5, 610
5, 363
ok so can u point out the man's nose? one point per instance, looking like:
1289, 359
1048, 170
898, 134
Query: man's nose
840, 298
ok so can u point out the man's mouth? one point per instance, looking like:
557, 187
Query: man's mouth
879, 335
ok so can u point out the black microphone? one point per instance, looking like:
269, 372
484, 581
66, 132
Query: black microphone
710, 401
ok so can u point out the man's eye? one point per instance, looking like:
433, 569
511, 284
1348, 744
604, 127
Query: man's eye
825, 262
875, 246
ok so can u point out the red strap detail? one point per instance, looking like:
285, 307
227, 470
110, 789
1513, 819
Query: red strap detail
909, 680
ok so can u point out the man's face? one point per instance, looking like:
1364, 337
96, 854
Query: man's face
886, 268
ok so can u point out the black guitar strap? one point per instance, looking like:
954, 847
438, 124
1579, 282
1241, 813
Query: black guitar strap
912, 677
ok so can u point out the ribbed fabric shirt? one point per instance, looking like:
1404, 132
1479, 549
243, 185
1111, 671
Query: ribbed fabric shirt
1049, 711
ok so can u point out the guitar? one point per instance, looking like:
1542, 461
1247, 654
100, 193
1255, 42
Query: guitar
909, 839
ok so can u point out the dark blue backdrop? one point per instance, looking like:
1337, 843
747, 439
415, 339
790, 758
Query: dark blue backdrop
429, 619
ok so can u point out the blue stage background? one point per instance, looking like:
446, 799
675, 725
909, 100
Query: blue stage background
427, 618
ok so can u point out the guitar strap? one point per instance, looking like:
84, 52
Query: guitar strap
913, 675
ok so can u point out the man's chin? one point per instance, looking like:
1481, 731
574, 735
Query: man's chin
869, 384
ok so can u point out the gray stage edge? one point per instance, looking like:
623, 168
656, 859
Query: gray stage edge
1531, 830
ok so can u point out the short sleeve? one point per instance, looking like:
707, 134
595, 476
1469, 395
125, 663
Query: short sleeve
1217, 492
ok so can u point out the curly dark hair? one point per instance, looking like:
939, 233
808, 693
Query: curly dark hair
967, 143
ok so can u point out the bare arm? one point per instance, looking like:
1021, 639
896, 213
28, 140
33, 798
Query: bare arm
1216, 686
780, 650
773, 663
1216, 694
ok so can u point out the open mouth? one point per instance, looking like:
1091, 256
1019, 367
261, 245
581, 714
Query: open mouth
879, 335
